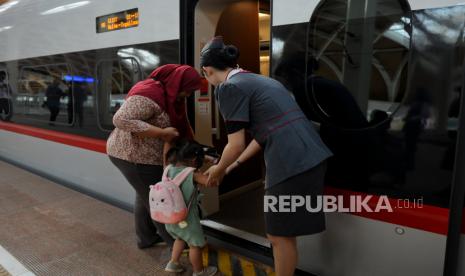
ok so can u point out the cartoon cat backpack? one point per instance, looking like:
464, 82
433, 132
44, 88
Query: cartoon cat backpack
167, 203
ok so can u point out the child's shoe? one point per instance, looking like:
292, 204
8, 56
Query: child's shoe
174, 267
208, 271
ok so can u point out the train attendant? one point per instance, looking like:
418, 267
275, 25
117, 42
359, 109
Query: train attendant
154, 113
294, 153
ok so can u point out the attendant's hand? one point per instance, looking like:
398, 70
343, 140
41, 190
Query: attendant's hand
169, 134
215, 175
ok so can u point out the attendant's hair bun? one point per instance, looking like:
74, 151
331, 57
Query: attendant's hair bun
231, 53
220, 58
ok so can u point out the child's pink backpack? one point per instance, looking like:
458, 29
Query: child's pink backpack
167, 203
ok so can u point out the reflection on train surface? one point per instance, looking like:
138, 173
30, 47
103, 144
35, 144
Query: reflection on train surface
382, 81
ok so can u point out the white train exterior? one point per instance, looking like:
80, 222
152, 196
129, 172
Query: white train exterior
420, 47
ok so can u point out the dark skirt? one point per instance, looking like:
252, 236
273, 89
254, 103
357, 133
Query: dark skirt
301, 222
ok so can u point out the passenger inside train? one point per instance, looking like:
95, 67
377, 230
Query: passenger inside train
53, 96
5, 99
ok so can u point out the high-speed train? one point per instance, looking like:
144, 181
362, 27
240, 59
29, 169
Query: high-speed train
381, 79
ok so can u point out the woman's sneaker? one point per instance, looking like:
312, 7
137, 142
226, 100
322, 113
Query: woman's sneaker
174, 267
208, 271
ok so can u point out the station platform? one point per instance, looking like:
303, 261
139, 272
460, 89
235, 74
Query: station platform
48, 229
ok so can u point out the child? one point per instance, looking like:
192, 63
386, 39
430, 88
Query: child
188, 154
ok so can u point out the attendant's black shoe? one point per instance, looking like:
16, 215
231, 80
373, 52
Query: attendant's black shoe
158, 240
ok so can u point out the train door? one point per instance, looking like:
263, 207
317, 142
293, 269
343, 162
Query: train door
244, 187
384, 84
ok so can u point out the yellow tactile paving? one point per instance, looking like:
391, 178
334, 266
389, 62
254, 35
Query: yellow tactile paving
248, 268
230, 264
205, 256
270, 272
224, 263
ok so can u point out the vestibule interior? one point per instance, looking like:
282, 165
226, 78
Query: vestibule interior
245, 24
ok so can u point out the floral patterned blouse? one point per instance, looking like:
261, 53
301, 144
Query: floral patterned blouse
136, 115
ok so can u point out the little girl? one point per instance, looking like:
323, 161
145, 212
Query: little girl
188, 154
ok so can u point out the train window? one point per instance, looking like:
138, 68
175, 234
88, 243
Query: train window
116, 77
78, 113
44, 94
370, 82
393, 131
5, 97
357, 61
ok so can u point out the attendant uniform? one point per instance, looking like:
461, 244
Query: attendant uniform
294, 153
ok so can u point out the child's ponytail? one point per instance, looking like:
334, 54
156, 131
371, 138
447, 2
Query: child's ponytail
172, 155
184, 151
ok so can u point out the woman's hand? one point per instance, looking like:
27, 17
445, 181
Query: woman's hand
169, 134
166, 148
166, 134
215, 175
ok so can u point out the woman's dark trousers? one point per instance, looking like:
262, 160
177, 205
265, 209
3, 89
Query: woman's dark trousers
141, 176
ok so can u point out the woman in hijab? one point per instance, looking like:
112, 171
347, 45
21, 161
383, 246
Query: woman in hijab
295, 156
154, 113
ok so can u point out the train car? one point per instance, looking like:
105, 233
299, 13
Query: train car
382, 81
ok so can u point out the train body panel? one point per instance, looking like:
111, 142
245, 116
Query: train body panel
367, 246
53, 28
84, 170
371, 247
422, 43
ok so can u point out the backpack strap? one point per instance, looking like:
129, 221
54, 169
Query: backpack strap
193, 198
165, 173
182, 176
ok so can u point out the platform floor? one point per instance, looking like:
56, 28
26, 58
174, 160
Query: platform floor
53, 230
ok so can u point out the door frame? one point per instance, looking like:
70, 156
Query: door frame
186, 46
457, 196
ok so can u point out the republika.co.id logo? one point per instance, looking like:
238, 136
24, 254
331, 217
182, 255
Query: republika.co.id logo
340, 204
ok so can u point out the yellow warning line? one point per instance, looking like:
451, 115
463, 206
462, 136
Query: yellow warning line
205, 256
231, 264
270, 272
224, 263
247, 268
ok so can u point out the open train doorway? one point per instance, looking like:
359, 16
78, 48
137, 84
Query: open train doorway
245, 24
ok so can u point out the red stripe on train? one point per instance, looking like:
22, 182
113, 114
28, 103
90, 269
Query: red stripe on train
56, 136
428, 218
